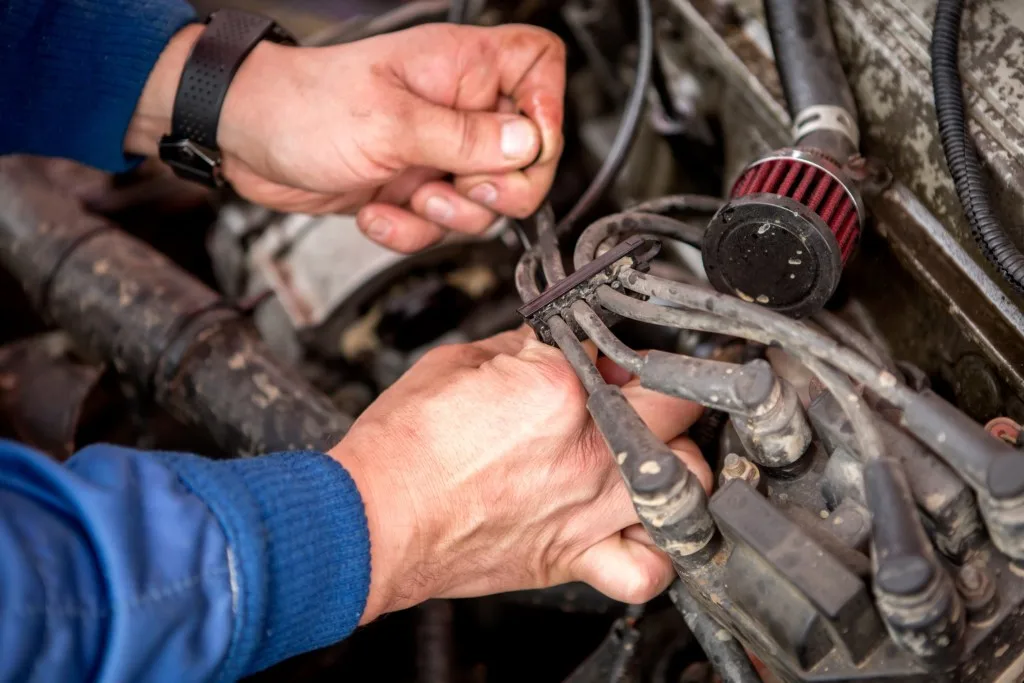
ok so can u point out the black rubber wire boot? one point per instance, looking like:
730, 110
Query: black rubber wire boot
961, 154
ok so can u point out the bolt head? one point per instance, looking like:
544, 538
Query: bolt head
970, 578
737, 467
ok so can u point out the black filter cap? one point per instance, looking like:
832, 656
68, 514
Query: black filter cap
774, 251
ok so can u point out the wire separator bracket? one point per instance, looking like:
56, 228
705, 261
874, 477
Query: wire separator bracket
582, 284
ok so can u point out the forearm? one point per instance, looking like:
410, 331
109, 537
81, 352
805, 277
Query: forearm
72, 72
164, 566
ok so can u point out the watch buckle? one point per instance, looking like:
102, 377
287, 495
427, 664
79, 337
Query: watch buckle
192, 161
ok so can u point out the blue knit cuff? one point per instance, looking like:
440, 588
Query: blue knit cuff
297, 529
71, 73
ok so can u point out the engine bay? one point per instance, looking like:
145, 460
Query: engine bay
804, 216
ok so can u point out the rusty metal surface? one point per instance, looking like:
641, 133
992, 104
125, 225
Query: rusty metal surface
161, 329
884, 45
229, 384
46, 393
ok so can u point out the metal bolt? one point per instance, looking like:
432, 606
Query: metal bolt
1004, 428
871, 174
738, 467
978, 590
971, 580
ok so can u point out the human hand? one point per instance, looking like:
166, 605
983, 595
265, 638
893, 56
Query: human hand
482, 472
377, 125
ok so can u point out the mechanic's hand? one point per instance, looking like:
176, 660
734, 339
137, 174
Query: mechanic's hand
377, 125
482, 472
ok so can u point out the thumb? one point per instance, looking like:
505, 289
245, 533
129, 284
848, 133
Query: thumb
625, 569
468, 142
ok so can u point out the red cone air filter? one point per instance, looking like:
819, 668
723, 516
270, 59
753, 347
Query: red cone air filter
786, 233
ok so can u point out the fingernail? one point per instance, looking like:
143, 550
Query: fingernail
518, 138
484, 193
378, 228
438, 209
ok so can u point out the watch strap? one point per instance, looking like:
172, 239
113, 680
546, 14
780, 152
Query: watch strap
230, 35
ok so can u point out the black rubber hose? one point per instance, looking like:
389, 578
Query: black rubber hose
961, 154
628, 127
805, 55
808, 65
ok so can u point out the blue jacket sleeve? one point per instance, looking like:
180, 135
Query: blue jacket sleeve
71, 72
132, 566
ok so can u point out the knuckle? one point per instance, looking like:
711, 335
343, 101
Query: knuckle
526, 197
444, 354
519, 210
642, 585
541, 35
560, 381
389, 130
554, 44
468, 136
463, 378
521, 201
478, 225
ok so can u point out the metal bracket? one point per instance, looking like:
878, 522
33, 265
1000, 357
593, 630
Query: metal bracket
583, 283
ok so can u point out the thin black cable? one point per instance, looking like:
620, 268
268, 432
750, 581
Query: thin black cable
961, 154
628, 127
457, 11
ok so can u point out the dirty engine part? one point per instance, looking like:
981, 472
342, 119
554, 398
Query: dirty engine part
774, 228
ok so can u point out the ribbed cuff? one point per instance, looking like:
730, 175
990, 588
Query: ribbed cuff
73, 72
297, 530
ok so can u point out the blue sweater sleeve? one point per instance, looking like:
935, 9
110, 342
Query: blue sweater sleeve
71, 72
132, 566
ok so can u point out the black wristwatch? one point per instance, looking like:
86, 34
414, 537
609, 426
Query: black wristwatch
230, 35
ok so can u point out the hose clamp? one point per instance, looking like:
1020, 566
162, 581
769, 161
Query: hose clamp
826, 117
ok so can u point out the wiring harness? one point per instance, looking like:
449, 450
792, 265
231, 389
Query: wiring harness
610, 283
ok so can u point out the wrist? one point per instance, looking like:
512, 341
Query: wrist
398, 535
256, 101
152, 117
255, 91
